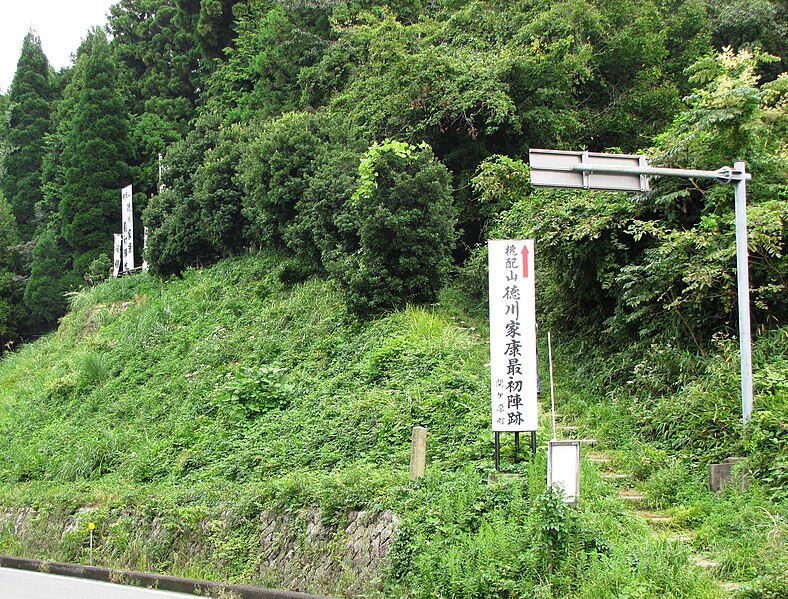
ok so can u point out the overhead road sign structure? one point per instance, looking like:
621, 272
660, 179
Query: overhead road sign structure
554, 168
617, 172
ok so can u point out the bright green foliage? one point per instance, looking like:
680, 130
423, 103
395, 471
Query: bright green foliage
29, 111
664, 263
297, 349
53, 171
690, 406
298, 174
212, 21
201, 401
687, 270
467, 78
275, 174
249, 392
553, 531
95, 159
156, 57
501, 73
275, 41
134, 395
324, 228
477, 78
499, 182
405, 217
750, 24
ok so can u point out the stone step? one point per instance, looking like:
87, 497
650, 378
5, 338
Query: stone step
596, 457
658, 518
630, 495
581, 441
703, 561
615, 475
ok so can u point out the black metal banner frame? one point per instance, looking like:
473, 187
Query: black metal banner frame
516, 447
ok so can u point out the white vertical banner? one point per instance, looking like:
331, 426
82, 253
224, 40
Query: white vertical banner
145, 247
513, 367
116, 260
127, 220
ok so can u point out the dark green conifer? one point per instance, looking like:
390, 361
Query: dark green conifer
49, 280
95, 158
28, 123
8, 238
159, 70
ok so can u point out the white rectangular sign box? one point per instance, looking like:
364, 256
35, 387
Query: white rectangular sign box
513, 368
127, 221
556, 168
563, 468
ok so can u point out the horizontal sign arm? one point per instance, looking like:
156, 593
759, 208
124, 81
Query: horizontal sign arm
724, 175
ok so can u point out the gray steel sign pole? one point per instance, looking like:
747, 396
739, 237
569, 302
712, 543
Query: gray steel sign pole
615, 172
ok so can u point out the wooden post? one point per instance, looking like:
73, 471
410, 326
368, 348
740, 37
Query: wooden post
418, 452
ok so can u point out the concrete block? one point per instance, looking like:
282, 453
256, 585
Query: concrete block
732, 472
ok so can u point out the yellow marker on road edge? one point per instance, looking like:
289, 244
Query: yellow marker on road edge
91, 528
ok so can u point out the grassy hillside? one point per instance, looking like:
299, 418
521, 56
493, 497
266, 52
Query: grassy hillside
199, 402
226, 375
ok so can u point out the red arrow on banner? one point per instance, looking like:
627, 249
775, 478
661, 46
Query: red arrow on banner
525, 261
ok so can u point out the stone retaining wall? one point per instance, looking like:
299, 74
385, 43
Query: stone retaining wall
298, 551
303, 553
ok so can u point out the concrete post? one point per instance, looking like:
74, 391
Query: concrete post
418, 452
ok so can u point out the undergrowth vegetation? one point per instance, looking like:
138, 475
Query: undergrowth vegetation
189, 407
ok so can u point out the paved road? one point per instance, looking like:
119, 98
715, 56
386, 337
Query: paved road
20, 584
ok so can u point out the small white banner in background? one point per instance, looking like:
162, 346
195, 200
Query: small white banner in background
127, 221
116, 259
144, 249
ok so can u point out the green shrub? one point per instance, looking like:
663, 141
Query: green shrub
218, 193
405, 226
275, 173
177, 238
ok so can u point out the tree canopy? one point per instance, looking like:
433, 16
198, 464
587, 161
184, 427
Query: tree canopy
264, 111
